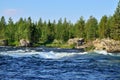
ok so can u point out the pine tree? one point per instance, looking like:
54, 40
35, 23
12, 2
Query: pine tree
20, 27
50, 32
58, 30
2, 27
79, 26
65, 31
44, 32
71, 30
102, 28
116, 20
10, 31
39, 28
91, 28
110, 24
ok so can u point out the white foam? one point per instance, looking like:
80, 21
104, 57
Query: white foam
49, 55
102, 52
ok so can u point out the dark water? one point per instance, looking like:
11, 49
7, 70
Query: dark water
57, 64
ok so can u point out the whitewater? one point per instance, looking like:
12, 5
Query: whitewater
43, 63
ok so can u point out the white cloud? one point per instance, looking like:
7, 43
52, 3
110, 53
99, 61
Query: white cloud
10, 12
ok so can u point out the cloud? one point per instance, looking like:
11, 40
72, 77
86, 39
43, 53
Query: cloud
10, 12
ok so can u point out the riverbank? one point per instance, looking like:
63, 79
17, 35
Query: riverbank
109, 45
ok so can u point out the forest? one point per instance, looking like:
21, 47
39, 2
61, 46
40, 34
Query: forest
45, 32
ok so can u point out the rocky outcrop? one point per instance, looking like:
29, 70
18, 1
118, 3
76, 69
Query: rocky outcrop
78, 42
109, 45
4, 42
72, 41
24, 43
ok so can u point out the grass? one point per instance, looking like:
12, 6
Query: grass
58, 45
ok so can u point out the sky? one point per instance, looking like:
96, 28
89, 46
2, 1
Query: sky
56, 9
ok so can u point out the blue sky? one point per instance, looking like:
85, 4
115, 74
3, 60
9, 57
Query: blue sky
55, 9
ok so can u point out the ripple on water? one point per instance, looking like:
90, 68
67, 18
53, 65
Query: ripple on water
35, 65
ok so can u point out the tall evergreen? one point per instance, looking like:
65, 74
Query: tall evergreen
71, 30
50, 31
91, 28
10, 31
31, 31
59, 29
110, 24
39, 28
2, 27
65, 30
102, 28
80, 25
20, 27
116, 20
44, 32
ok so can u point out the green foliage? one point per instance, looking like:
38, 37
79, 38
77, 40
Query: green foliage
10, 31
79, 28
116, 21
102, 29
89, 48
2, 27
91, 28
50, 31
46, 32
109, 27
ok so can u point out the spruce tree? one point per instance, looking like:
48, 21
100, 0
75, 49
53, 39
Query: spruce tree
65, 30
102, 28
2, 27
116, 19
91, 28
10, 31
58, 32
79, 27
110, 24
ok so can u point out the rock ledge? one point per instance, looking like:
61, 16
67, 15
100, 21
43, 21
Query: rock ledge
109, 45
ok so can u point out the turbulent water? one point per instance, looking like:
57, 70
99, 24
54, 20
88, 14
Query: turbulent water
57, 64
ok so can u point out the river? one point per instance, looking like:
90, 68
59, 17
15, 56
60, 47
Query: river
57, 64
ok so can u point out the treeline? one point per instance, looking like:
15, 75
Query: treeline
47, 32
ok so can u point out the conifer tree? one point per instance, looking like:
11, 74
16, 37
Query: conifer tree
80, 25
116, 19
10, 31
102, 28
2, 27
91, 28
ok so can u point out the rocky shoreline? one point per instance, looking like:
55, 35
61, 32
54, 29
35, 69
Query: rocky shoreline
108, 45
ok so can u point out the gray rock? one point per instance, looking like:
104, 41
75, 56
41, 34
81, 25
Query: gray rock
4, 42
109, 45
24, 43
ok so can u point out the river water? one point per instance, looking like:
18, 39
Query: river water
57, 64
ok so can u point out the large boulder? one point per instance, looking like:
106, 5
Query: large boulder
78, 42
72, 41
109, 45
4, 42
24, 43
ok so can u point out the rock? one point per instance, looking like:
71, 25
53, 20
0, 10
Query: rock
72, 41
24, 43
78, 42
109, 45
4, 42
